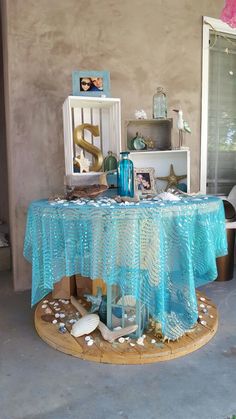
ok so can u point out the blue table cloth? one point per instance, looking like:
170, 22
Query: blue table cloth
158, 251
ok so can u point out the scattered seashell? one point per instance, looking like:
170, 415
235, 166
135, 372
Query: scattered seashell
56, 304
200, 316
67, 302
208, 306
212, 317
203, 322
140, 341
48, 310
127, 339
61, 324
202, 305
132, 344
57, 315
57, 309
204, 310
44, 306
90, 342
87, 338
72, 321
54, 321
62, 315
202, 299
45, 301
153, 341
121, 340
47, 318
51, 302
85, 325
62, 329
143, 336
131, 319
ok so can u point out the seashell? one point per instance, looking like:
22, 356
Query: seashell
203, 322
204, 310
72, 321
153, 341
127, 300
202, 299
57, 315
51, 302
202, 305
90, 342
200, 316
121, 340
57, 309
56, 304
62, 315
85, 325
44, 306
140, 341
87, 338
61, 324
54, 321
47, 318
62, 329
132, 344
48, 310
212, 317
45, 301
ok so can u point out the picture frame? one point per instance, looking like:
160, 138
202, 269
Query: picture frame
91, 83
145, 181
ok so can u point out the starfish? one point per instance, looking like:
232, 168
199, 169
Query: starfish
82, 162
172, 179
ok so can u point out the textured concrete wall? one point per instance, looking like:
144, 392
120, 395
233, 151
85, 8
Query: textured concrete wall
142, 43
4, 214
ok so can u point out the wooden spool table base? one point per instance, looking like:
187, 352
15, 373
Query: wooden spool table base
122, 353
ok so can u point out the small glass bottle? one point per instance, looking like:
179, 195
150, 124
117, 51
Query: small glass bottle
110, 162
159, 104
125, 175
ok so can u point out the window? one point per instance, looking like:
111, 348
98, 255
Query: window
218, 146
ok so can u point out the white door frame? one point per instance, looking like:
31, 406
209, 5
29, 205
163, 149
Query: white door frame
219, 26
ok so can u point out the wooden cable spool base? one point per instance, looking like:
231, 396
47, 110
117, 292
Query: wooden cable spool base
124, 353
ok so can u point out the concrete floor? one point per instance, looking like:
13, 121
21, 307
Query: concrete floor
38, 382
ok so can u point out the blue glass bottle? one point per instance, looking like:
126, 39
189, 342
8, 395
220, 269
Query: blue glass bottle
125, 175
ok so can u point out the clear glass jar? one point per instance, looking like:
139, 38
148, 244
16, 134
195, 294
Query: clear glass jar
125, 175
159, 104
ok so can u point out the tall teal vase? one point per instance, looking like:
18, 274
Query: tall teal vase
125, 175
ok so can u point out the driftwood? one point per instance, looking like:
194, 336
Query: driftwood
107, 334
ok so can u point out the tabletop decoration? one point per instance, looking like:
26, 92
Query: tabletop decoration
90, 148
172, 179
90, 191
156, 251
145, 181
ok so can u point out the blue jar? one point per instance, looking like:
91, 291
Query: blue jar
125, 175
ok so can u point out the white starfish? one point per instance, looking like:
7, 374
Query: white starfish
82, 162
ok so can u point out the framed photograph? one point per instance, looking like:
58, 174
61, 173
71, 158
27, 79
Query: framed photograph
145, 180
91, 83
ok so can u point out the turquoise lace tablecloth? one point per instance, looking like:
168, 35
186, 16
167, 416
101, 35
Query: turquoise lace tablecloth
158, 251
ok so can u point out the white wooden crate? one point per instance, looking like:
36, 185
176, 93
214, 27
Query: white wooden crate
104, 112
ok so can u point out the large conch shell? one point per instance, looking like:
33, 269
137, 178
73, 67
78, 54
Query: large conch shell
107, 334
85, 325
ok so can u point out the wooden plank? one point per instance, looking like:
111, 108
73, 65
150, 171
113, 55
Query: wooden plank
122, 353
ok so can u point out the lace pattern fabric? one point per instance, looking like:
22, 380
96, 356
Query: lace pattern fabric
156, 251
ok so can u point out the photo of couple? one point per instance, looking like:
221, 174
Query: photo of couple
91, 84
